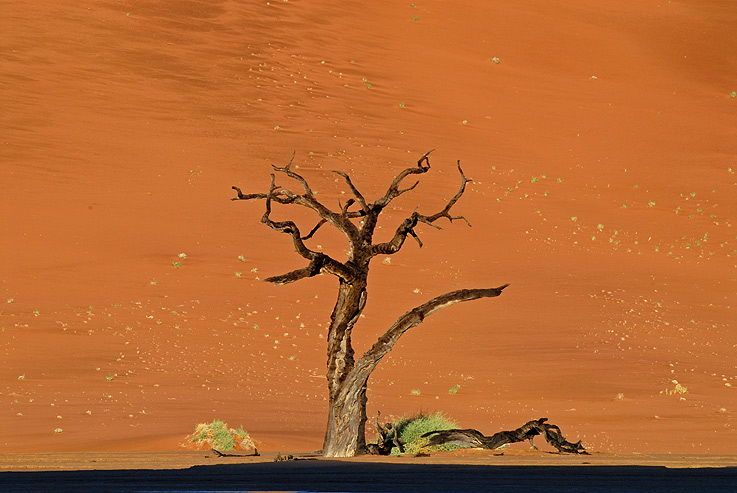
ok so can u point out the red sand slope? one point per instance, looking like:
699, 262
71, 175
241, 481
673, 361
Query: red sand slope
603, 148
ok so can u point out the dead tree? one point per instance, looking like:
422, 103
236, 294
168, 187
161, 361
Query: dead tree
528, 431
357, 220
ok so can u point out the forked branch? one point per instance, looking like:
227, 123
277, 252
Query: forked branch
288, 227
408, 225
291, 174
359, 197
306, 199
319, 262
423, 166
361, 241
446, 210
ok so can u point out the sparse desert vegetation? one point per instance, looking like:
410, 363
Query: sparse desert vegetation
604, 191
219, 436
411, 428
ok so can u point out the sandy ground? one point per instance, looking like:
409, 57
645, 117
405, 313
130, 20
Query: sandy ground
469, 470
90, 461
601, 139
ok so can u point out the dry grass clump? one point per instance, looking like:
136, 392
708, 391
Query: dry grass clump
679, 389
217, 435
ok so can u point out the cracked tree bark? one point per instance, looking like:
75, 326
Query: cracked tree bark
357, 220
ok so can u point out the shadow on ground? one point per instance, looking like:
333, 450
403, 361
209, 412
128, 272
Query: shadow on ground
324, 475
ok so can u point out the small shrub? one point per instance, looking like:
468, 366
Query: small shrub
217, 435
411, 429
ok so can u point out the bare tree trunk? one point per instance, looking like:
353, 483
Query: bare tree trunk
345, 433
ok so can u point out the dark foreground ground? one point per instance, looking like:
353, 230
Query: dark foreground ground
326, 475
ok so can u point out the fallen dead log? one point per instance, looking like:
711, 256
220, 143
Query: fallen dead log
471, 438
222, 454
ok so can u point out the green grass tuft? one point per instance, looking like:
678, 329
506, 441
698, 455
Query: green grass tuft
411, 429
222, 439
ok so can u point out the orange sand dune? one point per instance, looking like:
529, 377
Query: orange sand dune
601, 139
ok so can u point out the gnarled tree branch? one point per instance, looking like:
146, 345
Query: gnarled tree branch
314, 230
319, 262
415, 317
291, 174
423, 166
528, 431
307, 199
408, 225
247, 196
356, 193
446, 211
288, 227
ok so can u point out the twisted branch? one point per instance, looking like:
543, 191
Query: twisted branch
307, 199
319, 262
446, 211
528, 431
408, 225
423, 166
354, 190
361, 241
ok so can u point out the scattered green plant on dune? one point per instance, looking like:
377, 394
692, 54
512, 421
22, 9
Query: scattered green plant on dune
678, 389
